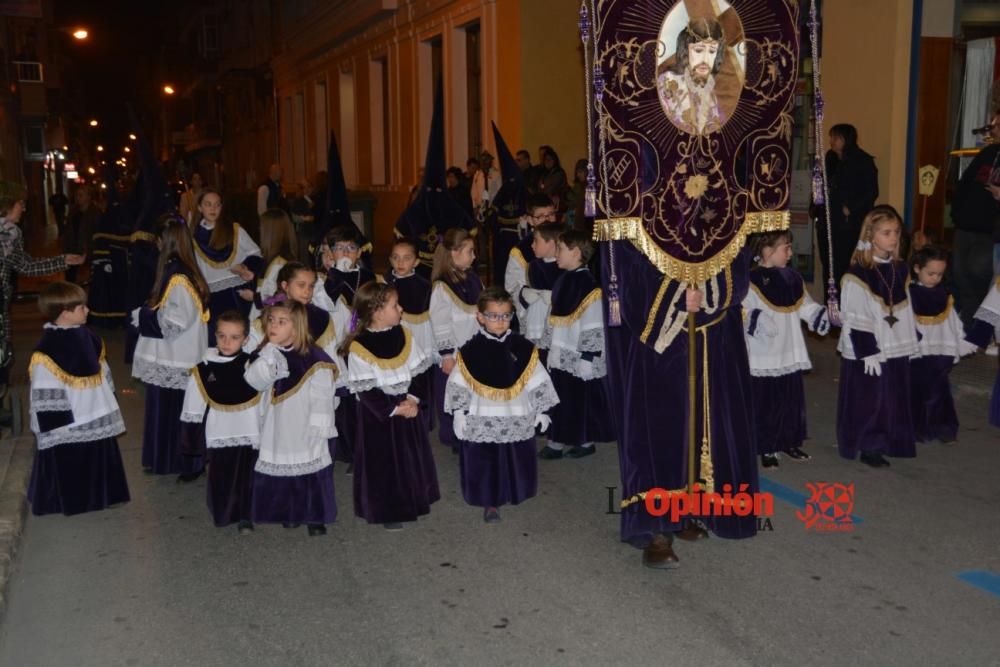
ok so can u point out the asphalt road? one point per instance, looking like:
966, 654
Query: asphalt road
154, 583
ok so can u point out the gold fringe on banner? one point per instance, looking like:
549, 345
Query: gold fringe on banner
632, 229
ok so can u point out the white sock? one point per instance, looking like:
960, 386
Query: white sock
587, 445
554, 445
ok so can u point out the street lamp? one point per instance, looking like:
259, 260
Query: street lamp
131, 137
80, 34
168, 89
128, 150
93, 122
100, 149
91, 170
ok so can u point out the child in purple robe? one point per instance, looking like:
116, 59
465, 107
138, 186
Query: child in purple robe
775, 307
221, 416
874, 410
576, 359
414, 291
498, 395
540, 210
172, 329
227, 257
292, 479
534, 301
984, 330
455, 293
941, 343
345, 274
74, 413
395, 480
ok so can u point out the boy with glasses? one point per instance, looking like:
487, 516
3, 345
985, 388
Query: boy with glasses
498, 394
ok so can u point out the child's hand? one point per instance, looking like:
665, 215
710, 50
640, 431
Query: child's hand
242, 271
693, 299
246, 294
872, 366
448, 365
407, 409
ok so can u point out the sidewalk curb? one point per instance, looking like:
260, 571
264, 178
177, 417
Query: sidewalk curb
13, 507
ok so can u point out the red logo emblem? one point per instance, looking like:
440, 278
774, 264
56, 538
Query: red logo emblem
829, 507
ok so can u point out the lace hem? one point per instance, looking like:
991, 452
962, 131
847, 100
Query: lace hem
592, 341
192, 417
167, 377
954, 350
499, 430
226, 283
780, 372
425, 363
544, 398
989, 317
234, 441
107, 426
49, 400
446, 344
361, 386
290, 469
169, 329
456, 398
572, 363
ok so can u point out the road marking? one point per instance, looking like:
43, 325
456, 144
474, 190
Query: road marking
982, 579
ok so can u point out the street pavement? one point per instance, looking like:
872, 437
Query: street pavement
154, 583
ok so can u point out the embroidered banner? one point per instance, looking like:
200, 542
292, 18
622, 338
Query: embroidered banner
694, 150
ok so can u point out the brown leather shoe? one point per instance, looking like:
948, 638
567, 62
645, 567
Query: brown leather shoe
692, 532
659, 554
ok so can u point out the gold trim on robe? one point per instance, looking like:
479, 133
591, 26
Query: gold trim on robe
496, 393
566, 320
390, 364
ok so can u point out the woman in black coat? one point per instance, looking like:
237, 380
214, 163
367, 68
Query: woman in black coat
853, 181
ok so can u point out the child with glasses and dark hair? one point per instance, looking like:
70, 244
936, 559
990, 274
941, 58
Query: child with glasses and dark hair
576, 358
498, 394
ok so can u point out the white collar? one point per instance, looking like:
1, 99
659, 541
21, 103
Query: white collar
213, 354
495, 339
204, 223
879, 260
53, 325
548, 260
382, 330
408, 275
582, 268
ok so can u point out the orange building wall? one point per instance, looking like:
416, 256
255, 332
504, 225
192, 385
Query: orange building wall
533, 101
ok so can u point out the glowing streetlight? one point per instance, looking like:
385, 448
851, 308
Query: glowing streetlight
91, 170
100, 149
168, 89
131, 136
80, 34
93, 122
128, 150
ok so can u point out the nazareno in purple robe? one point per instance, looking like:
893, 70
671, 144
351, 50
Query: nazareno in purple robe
648, 394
